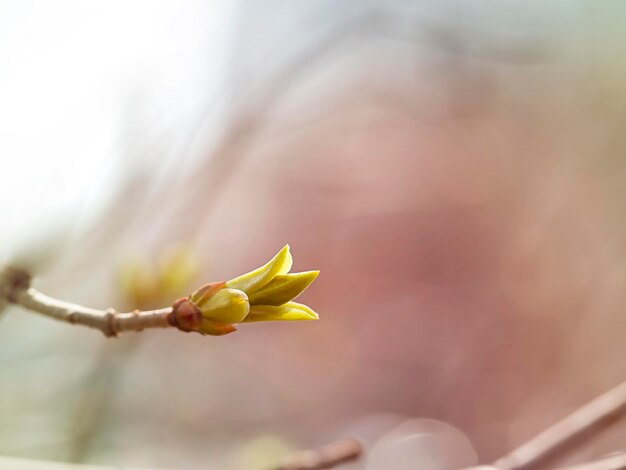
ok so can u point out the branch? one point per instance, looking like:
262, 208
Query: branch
324, 457
15, 288
616, 461
213, 309
592, 414
611, 462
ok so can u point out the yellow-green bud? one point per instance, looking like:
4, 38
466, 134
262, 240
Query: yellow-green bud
264, 294
226, 306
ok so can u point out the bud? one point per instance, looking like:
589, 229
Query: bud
283, 288
264, 294
226, 306
186, 316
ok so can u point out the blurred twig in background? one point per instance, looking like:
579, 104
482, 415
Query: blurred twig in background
100, 386
591, 416
328, 456
144, 285
612, 462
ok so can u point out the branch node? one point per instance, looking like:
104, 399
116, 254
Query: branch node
109, 329
12, 281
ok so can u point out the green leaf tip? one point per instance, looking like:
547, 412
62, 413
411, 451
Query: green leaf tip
283, 288
264, 294
254, 280
290, 311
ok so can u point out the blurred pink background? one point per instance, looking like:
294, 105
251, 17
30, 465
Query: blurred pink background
456, 171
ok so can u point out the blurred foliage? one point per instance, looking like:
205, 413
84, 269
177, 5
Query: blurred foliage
148, 285
266, 451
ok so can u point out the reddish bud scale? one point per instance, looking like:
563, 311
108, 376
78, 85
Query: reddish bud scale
185, 315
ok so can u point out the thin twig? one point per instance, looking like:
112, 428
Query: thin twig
611, 462
616, 461
325, 457
595, 412
108, 321
98, 392
16, 289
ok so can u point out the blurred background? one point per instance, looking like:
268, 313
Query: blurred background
455, 169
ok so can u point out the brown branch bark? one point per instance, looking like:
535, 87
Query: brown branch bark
611, 462
549, 441
616, 461
324, 457
15, 288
